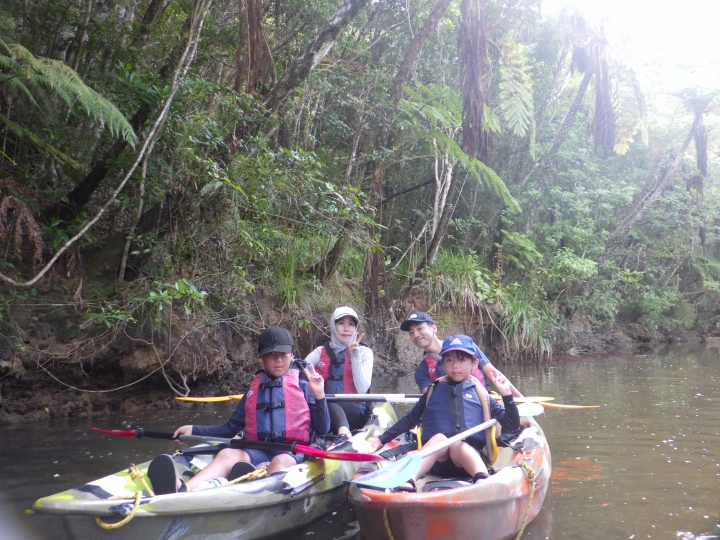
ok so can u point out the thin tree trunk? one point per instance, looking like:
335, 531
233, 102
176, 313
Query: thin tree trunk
81, 193
325, 270
640, 209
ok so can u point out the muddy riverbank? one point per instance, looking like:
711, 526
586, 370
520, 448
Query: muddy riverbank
56, 363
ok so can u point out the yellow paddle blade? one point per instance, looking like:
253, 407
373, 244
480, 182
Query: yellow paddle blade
568, 407
534, 399
236, 397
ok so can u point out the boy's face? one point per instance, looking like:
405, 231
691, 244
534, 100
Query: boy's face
422, 334
277, 363
346, 327
458, 365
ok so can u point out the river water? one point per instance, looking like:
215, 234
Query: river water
645, 464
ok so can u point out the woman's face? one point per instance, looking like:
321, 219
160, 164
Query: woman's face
346, 327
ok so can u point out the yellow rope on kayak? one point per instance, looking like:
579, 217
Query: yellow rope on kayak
523, 464
254, 475
111, 526
137, 473
387, 525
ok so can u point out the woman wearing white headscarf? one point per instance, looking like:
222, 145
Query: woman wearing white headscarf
346, 365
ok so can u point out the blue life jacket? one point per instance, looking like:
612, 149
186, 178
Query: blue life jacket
451, 409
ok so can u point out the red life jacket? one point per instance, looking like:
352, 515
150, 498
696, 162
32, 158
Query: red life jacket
276, 409
337, 374
432, 361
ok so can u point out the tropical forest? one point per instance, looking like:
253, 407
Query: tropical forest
177, 175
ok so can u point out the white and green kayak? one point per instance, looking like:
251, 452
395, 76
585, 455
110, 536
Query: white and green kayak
250, 509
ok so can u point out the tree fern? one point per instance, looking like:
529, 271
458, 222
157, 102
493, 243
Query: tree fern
684, 314
516, 101
441, 108
27, 76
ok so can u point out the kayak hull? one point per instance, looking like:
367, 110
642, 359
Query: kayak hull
254, 509
493, 509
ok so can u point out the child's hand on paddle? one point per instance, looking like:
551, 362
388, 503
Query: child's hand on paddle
182, 430
315, 381
375, 443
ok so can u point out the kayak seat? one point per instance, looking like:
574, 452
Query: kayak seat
440, 485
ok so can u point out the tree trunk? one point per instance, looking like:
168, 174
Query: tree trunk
558, 140
81, 193
641, 207
327, 269
474, 59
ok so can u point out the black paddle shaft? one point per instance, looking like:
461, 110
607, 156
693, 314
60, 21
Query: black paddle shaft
234, 443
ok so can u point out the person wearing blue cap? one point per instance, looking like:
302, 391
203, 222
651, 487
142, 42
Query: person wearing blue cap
455, 403
423, 333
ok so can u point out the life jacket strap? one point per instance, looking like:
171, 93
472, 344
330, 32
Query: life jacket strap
277, 383
270, 435
268, 405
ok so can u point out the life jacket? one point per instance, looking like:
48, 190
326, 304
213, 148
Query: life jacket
276, 408
336, 372
451, 409
435, 369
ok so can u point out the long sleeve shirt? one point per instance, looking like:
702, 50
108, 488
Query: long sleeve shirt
507, 417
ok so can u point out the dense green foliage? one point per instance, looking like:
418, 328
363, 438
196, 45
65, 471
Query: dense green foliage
341, 192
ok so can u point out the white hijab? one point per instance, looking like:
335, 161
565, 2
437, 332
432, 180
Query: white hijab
336, 342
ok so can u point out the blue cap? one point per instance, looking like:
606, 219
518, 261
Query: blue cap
459, 342
417, 316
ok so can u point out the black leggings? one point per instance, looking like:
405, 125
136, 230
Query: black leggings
346, 414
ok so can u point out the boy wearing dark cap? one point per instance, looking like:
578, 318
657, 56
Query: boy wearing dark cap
279, 406
423, 334
455, 403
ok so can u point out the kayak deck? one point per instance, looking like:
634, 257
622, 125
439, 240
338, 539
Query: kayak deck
249, 509
493, 509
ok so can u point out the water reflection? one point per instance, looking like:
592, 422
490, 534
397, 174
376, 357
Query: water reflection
644, 465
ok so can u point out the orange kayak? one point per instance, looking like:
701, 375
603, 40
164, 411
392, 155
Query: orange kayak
493, 509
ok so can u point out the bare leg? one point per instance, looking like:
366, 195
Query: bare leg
465, 456
280, 462
429, 461
220, 466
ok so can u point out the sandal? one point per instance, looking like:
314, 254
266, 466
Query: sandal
162, 475
480, 476
407, 487
241, 468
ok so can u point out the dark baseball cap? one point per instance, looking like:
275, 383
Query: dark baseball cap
274, 339
417, 316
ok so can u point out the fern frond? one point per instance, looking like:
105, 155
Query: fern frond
477, 168
39, 74
516, 100
684, 314
28, 135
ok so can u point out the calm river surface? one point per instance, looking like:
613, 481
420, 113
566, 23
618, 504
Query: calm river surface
646, 464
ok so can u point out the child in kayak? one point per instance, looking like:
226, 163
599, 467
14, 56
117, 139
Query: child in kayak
279, 406
454, 403
346, 365
423, 333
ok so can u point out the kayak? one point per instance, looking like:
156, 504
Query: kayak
496, 508
251, 509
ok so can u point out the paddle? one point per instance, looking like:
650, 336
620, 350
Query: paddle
530, 409
394, 474
389, 398
243, 443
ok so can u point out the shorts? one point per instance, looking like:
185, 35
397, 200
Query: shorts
448, 469
261, 456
